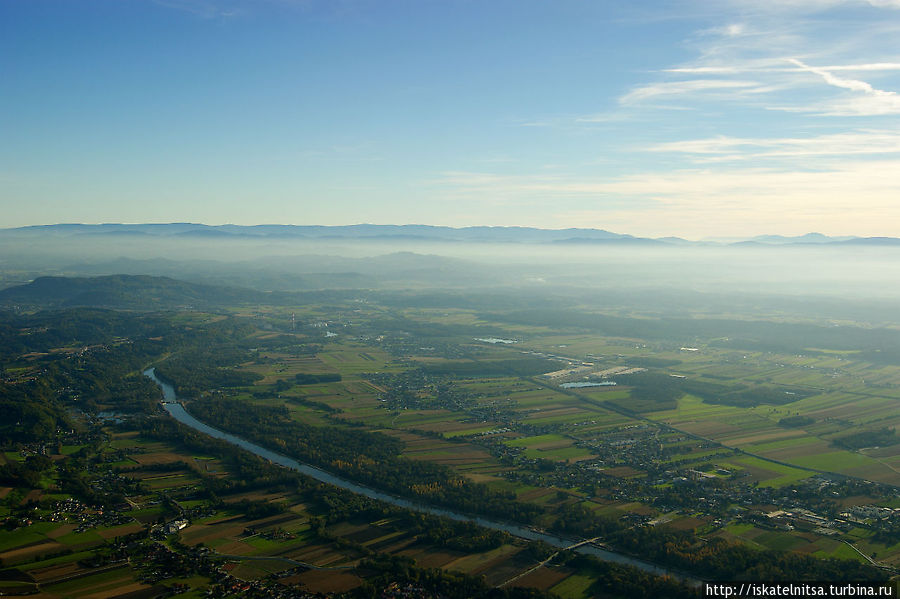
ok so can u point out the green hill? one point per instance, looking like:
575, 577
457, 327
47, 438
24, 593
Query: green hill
131, 292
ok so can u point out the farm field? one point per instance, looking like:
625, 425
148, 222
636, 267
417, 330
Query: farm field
567, 431
50, 556
534, 420
521, 413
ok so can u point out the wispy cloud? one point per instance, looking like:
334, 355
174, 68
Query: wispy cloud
863, 106
771, 41
680, 88
766, 67
810, 6
691, 201
874, 102
724, 148
603, 117
830, 79
875, 66
205, 9
775, 86
885, 3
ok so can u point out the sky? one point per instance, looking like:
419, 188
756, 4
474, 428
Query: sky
726, 118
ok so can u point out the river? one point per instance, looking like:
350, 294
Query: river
177, 411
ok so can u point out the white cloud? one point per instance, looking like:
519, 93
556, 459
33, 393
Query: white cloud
874, 102
721, 70
679, 88
750, 59
766, 67
863, 106
770, 41
811, 6
206, 9
875, 66
871, 101
857, 196
885, 3
603, 117
856, 143
830, 79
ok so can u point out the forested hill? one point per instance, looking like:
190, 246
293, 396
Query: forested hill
131, 292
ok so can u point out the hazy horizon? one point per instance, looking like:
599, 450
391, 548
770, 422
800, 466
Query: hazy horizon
671, 235
857, 282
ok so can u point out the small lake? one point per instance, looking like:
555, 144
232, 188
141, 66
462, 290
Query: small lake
179, 413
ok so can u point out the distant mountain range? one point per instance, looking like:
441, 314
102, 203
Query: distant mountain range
424, 233
372, 232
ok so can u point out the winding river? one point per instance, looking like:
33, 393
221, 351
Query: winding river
177, 411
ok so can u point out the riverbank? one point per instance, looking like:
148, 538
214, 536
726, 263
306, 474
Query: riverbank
179, 413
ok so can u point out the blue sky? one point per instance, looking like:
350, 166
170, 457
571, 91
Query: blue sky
725, 118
